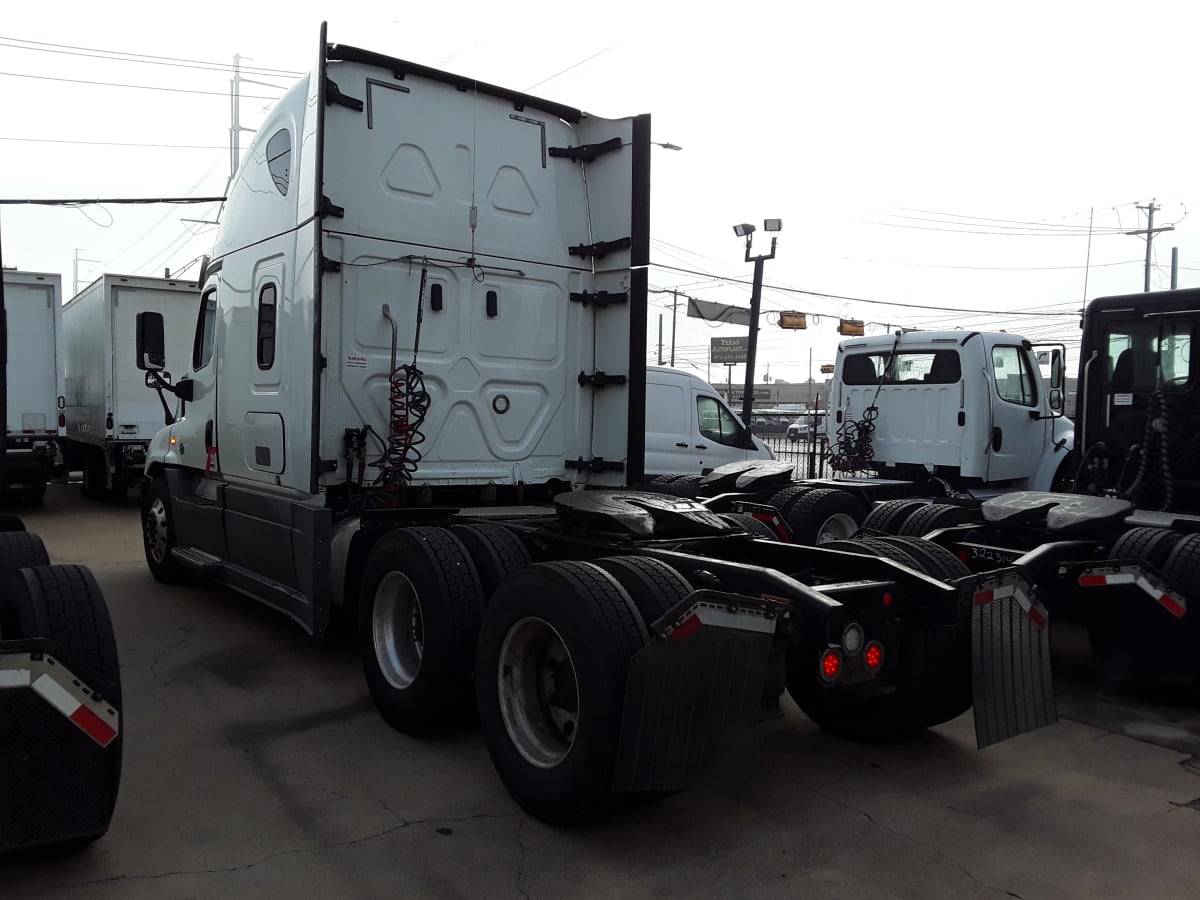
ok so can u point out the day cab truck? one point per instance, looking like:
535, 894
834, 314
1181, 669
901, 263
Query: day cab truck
416, 400
962, 441
60, 679
110, 416
34, 421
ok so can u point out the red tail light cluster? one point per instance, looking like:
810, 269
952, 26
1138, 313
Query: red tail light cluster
831, 665
873, 656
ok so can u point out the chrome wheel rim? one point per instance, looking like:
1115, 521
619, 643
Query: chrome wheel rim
398, 630
539, 692
838, 527
156, 530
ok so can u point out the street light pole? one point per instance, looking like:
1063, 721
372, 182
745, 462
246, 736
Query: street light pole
755, 306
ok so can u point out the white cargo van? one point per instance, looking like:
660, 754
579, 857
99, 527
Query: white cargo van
33, 305
689, 429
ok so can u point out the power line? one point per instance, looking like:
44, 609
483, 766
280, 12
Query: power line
1034, 227
1046, 223
888, 262
11, 201
122, 56
140, 87
1029, 233
114, 143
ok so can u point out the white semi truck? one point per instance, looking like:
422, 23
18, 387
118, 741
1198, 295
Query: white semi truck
416, 398
34, 422
110, 417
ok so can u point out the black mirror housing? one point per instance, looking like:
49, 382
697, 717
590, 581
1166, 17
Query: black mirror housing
151, 343
1056, 400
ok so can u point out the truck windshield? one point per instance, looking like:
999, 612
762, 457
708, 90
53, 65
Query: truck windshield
905, 367
1135, 348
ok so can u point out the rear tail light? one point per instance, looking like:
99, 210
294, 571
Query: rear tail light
62, 420
852, 639
831, 665
873, 656
964, 555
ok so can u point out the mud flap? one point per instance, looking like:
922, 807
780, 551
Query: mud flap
1010, 658
60, 753
1138, 624
703, 670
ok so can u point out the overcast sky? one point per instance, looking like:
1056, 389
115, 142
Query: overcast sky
946, 156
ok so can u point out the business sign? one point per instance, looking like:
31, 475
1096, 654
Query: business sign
726, 351
738, 393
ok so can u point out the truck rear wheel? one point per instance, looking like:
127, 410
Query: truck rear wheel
935, 516
783, 500
751, 525
891, 515
496, 552
418, 621
653, 586
1154, 545
158, 532
20, 550
825, 515
554, 650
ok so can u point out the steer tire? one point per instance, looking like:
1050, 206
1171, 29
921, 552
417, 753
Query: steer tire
653, 586
496, 552
1154, 545
418, 657
559, 772
158, 532
811, 516
891, 515
751, 525
935, 516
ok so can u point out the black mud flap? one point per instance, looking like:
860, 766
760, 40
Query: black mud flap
1010, 657
704, 669
1139, 625
60, 750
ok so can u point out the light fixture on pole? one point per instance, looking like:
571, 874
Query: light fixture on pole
747, 231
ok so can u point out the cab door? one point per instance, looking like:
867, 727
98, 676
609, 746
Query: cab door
1019, 432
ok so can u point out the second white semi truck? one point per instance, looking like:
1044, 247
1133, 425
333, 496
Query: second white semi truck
110, 416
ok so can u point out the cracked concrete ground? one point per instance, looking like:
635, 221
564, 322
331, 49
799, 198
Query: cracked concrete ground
256, 766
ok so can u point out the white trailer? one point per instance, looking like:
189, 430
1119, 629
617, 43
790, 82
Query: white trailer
110, 416
33, 427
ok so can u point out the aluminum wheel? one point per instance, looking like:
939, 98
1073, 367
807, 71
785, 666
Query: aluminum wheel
154, 527
539, 692
838, 527
397, 630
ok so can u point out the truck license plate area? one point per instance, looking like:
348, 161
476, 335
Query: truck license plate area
704, 669
1010, 659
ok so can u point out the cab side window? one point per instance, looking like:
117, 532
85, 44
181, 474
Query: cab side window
716, 422
206, 327
1014, 377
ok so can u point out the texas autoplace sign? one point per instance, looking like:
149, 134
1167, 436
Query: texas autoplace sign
727, 351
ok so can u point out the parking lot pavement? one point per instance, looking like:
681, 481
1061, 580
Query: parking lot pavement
256, 766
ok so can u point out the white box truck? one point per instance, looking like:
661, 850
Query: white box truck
33, 425
110, 416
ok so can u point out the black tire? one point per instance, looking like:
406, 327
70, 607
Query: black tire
935, 516
428, 654
783, 500
935, 560
1182, 567
11, 523
599, 626
664, 479
687, 479
812, 513
891, 515
1154, 545
65, 604
19, 550
751, 525
653, 586
158, 532
496, 552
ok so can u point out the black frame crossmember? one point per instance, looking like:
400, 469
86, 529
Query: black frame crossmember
601, 249
595, 464
586, 152
600, 299
600, 379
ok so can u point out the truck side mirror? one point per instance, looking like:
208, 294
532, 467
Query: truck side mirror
1056, 372
1056, 399
151, 345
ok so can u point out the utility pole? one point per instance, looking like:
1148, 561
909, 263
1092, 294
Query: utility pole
1174, 268
75, 271
674, 306
660, 358
1150, 231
